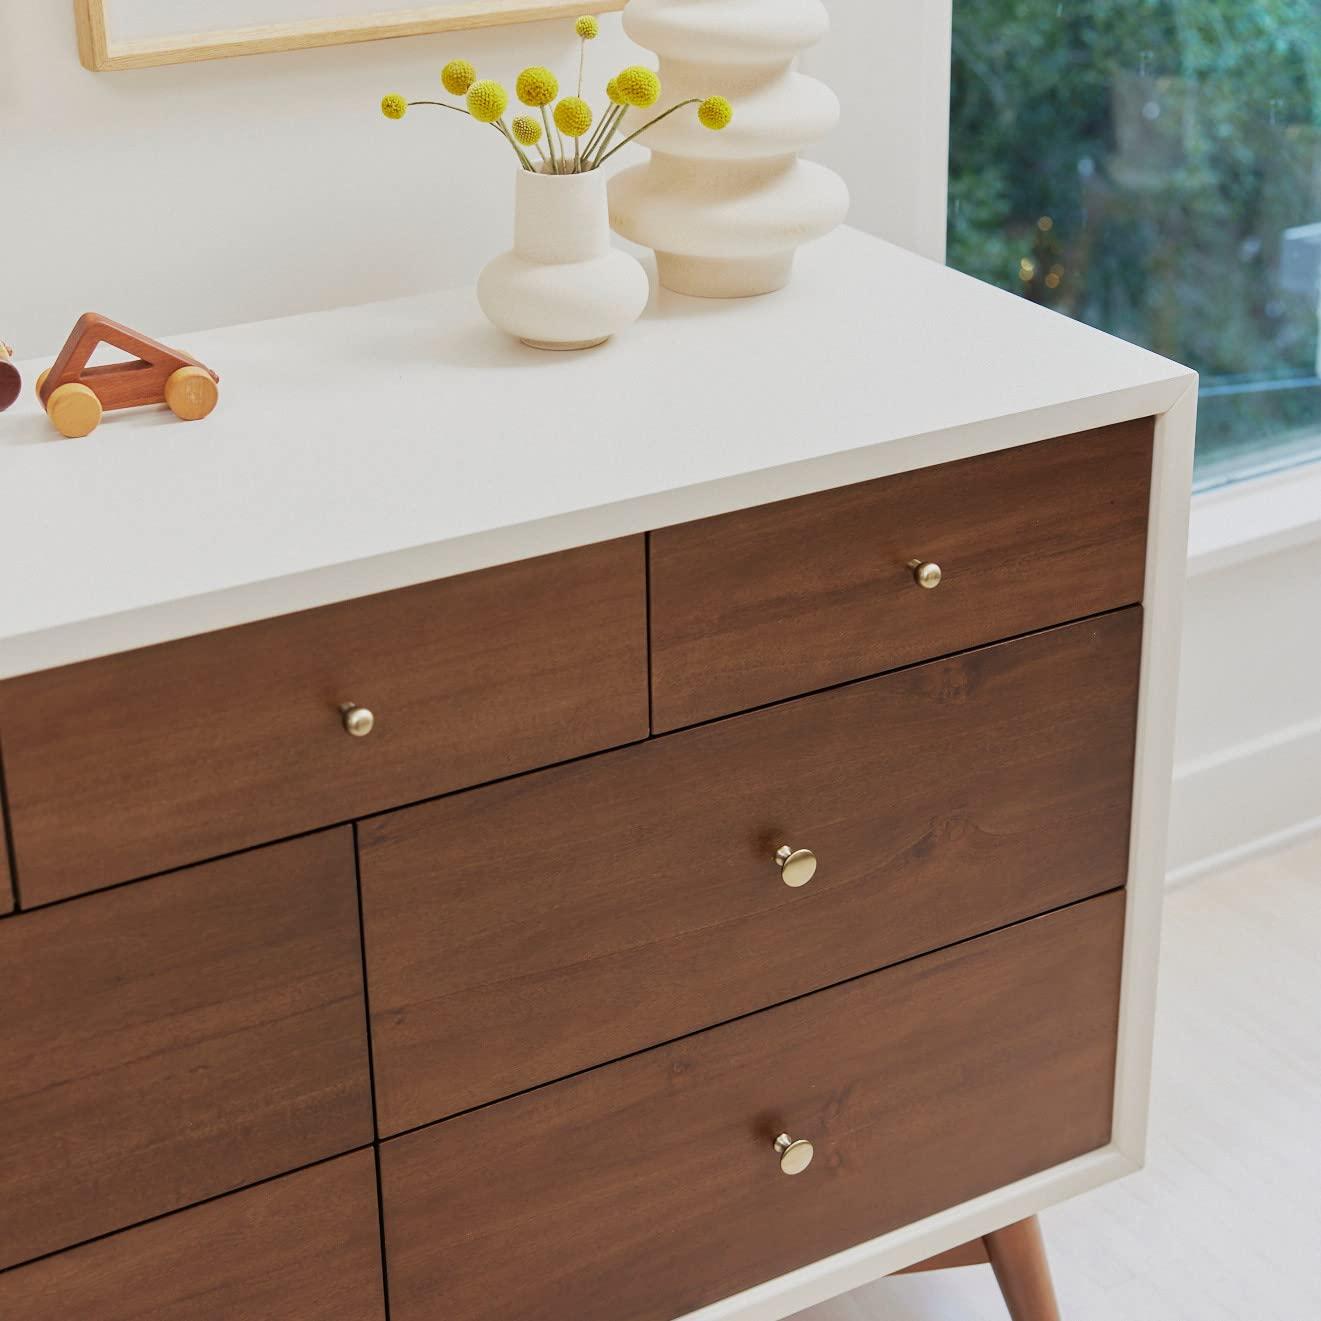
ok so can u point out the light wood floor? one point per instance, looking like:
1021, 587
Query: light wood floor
1224, 1224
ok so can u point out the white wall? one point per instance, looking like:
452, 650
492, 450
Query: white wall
889, 61
199, 195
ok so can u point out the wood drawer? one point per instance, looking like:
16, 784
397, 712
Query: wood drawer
766, 603
150, 760
646, 1189
533, 928
302, 1248
179, 1038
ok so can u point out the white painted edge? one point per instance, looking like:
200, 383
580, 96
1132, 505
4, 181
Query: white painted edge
1234, 524
855, 1267
1153, 770
166, 621
1153, 773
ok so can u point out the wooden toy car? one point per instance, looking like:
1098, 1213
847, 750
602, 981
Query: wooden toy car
10, 381
75, 395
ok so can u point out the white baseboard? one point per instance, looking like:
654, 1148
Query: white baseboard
1244, 800
1247, 775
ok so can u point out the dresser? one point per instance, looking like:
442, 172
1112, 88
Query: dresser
671, 832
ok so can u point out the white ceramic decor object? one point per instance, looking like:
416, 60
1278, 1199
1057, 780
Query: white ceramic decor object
562, 286
726, 210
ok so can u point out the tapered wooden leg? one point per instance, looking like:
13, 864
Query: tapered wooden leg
1018, 1257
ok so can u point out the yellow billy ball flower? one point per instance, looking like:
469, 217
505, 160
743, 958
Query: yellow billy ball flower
537, 86
573, 116
394, 106
457, 77
639, 86
612, 91
487, 101
587, 28
527, 130
715, 113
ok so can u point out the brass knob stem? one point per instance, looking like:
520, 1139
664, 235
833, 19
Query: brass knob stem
797, 866
795, 1154
926, 574
358, 720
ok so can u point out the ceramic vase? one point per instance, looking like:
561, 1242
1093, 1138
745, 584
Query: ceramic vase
725, 211
562, 286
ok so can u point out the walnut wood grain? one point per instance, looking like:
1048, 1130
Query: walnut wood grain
302, 1248
642, 1191
157, 758
6, 882
765, 603
116, 384
533, 928
1017, 1254
172, 1040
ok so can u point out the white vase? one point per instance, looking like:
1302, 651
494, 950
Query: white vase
562, 286
725, 211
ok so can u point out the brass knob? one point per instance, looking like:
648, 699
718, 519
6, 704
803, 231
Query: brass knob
795, 1156
358, 721
797, 866
926, 574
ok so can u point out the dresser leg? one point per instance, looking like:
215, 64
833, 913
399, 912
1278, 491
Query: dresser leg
1018, 1257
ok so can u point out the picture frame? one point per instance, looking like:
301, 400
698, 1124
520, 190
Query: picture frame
119, 34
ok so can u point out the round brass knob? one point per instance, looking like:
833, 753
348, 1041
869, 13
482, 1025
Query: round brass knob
795, 1156
358, 721
926, 574
797, 866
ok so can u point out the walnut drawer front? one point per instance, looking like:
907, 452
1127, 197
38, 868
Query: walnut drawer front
766, 603
178, 1038
533, 928
6, 885
302, 1248
651, 1187
153, 759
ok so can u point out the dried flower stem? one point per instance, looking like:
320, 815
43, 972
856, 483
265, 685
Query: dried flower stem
459, 110
595, 140
509, 137
550, 141
610, 128
696, 100
444, 105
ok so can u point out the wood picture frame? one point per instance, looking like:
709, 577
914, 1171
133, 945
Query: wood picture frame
100, 50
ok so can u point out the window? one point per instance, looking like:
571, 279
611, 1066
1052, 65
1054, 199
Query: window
1153, 167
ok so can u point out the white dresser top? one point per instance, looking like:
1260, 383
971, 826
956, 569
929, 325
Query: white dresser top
373, 447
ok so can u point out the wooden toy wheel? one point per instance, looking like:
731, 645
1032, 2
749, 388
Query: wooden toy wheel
41, 380
191, 393
74, 410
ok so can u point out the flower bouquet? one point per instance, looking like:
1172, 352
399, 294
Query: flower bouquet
562, 121
562, 286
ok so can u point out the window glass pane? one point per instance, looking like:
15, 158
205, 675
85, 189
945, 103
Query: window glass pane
1153, 167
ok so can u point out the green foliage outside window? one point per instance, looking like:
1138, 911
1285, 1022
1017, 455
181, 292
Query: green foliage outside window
1135, 164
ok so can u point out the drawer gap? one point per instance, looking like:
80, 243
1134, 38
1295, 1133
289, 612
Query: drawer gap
738, 1018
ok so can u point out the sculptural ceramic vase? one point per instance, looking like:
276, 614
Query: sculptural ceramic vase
726, 211
562, 286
